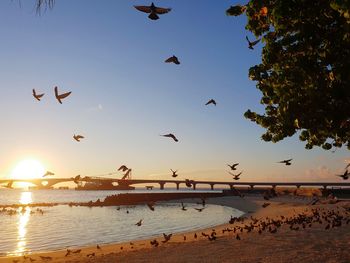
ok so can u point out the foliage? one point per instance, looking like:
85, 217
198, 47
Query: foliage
304, 75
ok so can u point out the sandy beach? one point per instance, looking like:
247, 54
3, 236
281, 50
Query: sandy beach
312, 244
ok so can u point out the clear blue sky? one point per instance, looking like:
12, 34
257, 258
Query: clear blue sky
111, 57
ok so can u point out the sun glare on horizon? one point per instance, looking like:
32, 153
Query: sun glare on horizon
28, 169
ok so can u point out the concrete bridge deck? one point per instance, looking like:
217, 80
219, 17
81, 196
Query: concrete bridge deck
49, 182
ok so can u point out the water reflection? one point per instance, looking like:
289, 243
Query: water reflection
23, 218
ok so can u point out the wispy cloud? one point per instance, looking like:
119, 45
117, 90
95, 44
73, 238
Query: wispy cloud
99, 107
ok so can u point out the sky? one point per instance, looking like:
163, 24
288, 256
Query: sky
124, 96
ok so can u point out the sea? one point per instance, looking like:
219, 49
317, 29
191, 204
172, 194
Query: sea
29, 229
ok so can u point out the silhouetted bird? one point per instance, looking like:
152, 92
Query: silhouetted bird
59, 97
211, 102
151, 206
235, 176
166, 237
123, 168
233, 166
68, 252
139, 223
199, 209
286, 162
152, 10
252, 44
98, 247
170, 135
265, 205
345, 176
183, 207
78, 137
173, 59
188, 182
48, 173
174, 173
76, 179
37, 96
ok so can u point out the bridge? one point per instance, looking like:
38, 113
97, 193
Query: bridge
47, 183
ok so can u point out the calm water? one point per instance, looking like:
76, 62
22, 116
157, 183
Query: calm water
63, 226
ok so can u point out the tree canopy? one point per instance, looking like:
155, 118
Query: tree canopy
304, 74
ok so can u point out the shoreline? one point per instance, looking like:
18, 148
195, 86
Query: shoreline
251, 205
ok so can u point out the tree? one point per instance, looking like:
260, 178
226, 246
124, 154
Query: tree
304, 75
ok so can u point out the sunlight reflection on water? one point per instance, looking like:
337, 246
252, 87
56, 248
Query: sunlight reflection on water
23, 218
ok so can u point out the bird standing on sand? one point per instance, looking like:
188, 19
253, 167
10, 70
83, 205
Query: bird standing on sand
78, 137
173, 59
286, 162
37, 96
252, 44
183, 207
199, 209
212, 101
151, 206
174, 173
59, 97
139, 223
233, 166
152, 10
166, 237
170, 135
48, 173
265, 205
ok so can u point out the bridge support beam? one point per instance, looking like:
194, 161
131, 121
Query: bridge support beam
298, 186
194, 186
161, 186
231, 186
325, 187
177, 186
212, 186
251, 187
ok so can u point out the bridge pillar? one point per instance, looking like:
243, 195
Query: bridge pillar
325, 187
274, 186
251, 186
298, 186
161, 186
194, 186
177, 186
212, 186
231, 186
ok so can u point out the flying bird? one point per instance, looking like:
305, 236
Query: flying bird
233, 166
166, 237
345, 176
59, 97
37, 96
123, 168
76, 179
252, 44
235, 176
212, 101
286, 162
174, 173
139, 223
170, 135
78, 137
173, 59
48, 173
153, 10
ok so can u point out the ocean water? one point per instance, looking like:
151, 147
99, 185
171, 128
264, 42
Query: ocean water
59, 227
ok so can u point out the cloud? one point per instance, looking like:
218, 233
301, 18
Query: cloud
321, 173
99, 107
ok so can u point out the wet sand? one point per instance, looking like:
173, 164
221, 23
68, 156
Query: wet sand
312, 244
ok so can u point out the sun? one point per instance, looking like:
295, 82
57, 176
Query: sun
28, 169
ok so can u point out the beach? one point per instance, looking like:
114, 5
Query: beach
312, 244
